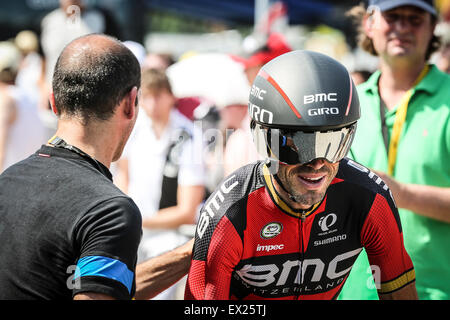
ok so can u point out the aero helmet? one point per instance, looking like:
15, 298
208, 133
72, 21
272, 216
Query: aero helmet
303, 106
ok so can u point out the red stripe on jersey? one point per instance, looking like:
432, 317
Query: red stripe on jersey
266, 76
336, 180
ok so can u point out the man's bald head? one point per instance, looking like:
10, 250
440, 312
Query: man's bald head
92, 75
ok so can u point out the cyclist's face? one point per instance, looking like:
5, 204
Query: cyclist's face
307, 183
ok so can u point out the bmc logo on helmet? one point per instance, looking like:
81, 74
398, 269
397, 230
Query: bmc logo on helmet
319, 97
259, 114
322, 111
257, 92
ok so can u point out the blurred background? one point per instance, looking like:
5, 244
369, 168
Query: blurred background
211, 51
231, 40
163, 34
177, 27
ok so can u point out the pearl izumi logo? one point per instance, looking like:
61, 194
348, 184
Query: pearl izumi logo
327, 221
271, 230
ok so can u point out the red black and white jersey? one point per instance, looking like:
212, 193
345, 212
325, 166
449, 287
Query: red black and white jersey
250, 244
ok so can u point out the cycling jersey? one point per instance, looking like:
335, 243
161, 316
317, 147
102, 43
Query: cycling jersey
250, 244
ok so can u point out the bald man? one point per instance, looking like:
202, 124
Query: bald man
66, 230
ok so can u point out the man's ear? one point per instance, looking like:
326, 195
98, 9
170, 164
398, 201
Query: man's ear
51, 98
368, 23
131, 103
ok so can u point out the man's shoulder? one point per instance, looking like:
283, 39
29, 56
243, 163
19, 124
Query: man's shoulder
228, 204
120, 210
72, 180
248, 177
370, 85
443, 79
363, 180
235, 188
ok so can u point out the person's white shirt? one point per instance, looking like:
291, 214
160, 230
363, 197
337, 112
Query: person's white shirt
146, 155
240, 149
58, 29
27, 133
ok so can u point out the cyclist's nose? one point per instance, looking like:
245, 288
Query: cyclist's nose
316, 164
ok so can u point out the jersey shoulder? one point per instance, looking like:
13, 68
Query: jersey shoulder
364, 181
233, 191
229, 200
355, 173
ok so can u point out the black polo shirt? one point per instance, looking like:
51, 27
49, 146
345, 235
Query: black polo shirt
65, 228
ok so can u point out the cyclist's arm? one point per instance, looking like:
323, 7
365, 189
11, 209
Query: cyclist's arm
383, 240
408, 292
210, 273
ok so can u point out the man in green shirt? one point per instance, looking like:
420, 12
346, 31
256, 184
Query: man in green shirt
404, 135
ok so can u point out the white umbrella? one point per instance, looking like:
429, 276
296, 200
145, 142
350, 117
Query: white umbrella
214, 76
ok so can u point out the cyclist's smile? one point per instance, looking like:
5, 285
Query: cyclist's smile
307, 183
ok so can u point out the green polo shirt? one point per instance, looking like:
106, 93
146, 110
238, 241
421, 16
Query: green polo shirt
423, 157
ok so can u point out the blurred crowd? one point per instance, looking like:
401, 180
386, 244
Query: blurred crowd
193, 128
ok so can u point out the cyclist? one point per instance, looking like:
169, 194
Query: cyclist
292, 226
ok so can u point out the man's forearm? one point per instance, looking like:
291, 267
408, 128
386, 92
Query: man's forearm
169, 218
157, 274
429, 201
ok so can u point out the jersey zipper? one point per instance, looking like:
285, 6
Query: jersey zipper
302, 252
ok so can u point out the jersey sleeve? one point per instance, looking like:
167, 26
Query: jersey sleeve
218, 246
108, 236
382, 238
210, 277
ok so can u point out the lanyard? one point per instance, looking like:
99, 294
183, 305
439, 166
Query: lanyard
400, 117
58, 142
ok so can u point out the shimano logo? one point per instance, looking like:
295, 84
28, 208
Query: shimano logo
270, 247
322, 111
330, 240
257, 92
319, 97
